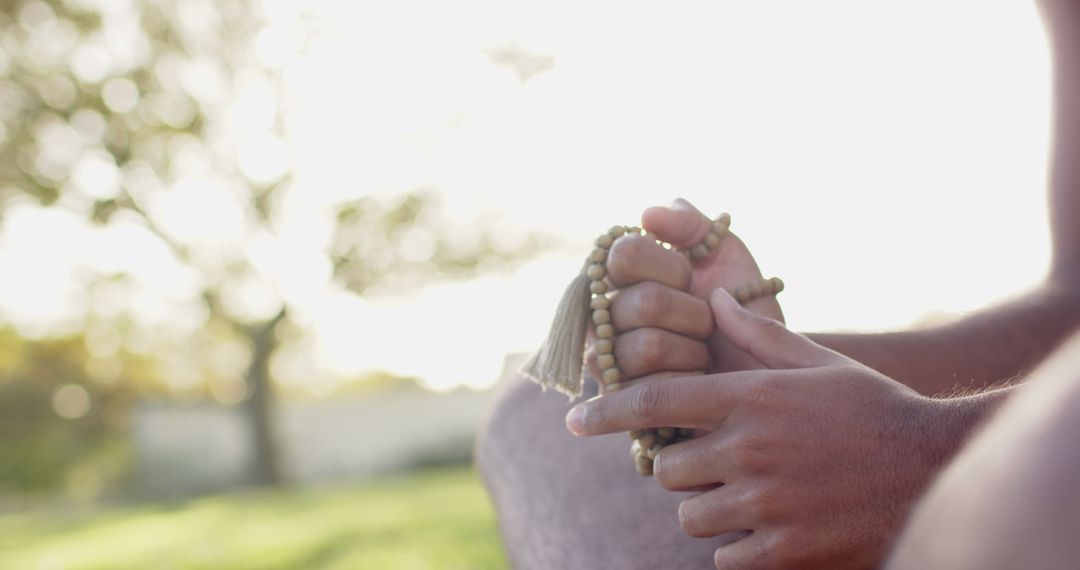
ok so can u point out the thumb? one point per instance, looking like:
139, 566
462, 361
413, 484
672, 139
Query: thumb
679, 223
766, 339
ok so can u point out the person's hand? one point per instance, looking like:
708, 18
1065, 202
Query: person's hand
817, 456
659, 309
660, 327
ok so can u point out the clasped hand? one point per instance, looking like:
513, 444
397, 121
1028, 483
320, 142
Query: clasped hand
802, 458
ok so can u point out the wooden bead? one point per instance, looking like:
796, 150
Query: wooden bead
604, 346
686, 432
601, 316
648, 440
778, 285
598, 255
598, 287
596, 272
724, 220
652, 451
633, 230
617, 231
612, 376
650, 235
605, 241
605, 361
699, 251
644, 465
605, 331
712, 241
666, 433
599, 302
636, 433
635, 450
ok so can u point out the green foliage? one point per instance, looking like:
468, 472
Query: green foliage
67, 94
404, 243
43, 381
105, 106
434, 520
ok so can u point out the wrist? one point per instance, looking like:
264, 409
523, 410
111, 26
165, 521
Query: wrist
946, 424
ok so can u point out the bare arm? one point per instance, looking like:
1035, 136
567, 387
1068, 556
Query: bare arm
1004, 342
990, 347
1027, 462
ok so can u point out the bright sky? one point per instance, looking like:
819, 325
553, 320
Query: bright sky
887, 159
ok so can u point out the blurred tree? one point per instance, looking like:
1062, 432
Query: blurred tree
112, 107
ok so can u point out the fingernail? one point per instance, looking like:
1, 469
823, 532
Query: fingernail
679, 204
720, 295
575, 419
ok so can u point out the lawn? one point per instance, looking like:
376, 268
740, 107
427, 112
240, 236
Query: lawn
435, 519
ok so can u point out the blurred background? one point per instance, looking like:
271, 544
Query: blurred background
263, 261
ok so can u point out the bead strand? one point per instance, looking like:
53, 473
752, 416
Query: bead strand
648, 442
600, 303
761, 288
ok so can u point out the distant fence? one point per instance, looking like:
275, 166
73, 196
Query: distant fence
182, 450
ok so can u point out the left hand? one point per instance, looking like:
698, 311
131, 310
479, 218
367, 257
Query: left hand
818, 456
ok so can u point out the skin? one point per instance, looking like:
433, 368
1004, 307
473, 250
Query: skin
1029, 462
563, 503
760, 464
1027, 458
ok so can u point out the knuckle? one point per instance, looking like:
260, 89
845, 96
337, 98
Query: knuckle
652, 302
762, 394
749, 454
766, 505
649, 347
647, 401
623, 259
617, 264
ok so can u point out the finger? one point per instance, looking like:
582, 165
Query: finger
679, 223
655, 376
597, 361
692, 464
688, 402
766, 339
715, 512
653, 305
749, 553
634, 259
645, 351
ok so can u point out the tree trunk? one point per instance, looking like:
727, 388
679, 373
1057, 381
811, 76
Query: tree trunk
260, 406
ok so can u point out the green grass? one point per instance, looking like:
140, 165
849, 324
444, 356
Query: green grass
435, 519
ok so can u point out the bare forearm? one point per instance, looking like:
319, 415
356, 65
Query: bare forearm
1004, 342
992, 346
1026, 461
1062, 18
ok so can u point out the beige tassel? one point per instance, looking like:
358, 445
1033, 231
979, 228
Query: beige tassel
558, 363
